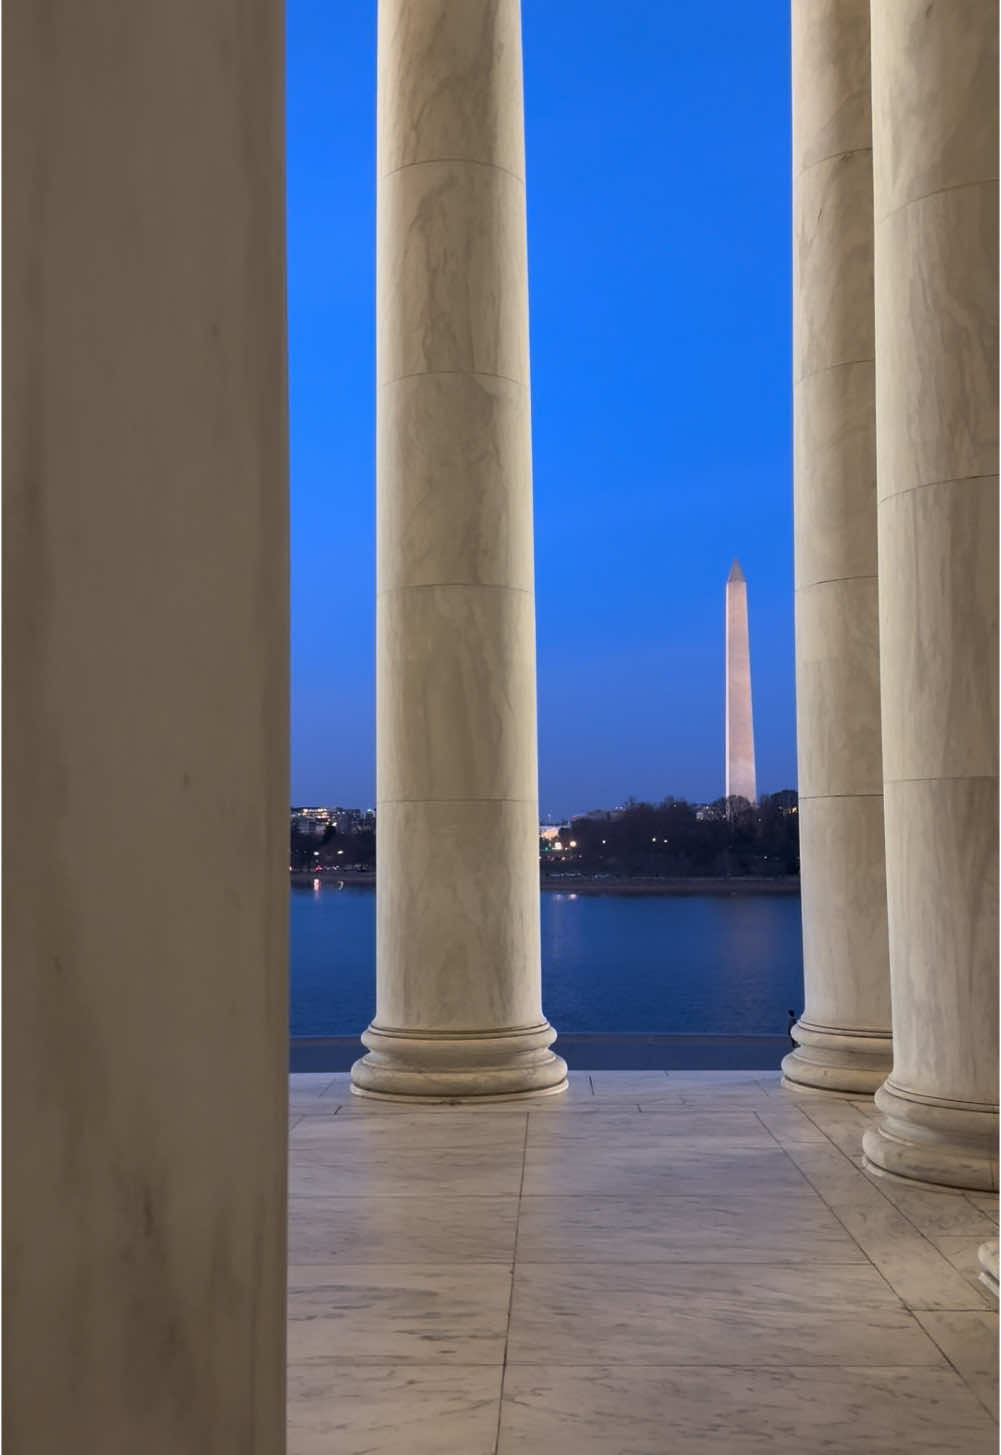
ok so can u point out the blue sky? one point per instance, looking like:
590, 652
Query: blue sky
657, 139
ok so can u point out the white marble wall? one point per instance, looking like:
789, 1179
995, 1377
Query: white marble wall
844, 1032
146, 782
935, 118
459, 995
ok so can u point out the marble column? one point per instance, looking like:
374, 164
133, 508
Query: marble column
843, 1034
935, 160
145, 734
458, 1010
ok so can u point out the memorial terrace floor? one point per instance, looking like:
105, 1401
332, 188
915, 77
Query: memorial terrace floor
654, 1262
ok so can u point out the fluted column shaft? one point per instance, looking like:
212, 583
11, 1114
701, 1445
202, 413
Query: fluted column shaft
459, 1008
844, 1033
935, 116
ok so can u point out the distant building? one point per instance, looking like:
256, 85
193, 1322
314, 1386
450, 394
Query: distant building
315, 821
310, 822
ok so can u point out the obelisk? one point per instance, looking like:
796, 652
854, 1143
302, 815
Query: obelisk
740, 778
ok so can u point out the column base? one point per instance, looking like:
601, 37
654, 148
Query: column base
845, 1063
457, 1066
987, 1257
945, 1144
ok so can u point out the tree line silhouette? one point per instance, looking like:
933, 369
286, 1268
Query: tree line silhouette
671, 839
675, 838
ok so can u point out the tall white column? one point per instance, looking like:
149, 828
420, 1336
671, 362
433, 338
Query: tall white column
843, 1034
459, 1010
935, 140
146, 727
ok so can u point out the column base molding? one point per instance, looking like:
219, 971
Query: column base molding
945, 1144
987, 1257
458, 1066
843, 1063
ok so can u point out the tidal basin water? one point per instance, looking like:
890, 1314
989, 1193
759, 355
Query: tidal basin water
713, 965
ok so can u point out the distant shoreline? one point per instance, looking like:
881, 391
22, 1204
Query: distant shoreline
720, 886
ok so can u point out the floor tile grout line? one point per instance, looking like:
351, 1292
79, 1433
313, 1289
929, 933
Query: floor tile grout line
955, 1367
907, 1307
370, 1361
510, 1297
848, 1230
706, 1260
873, 1182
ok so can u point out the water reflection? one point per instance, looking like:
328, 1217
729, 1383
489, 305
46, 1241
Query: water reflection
722, 966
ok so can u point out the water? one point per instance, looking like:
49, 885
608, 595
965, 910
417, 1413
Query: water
714, 965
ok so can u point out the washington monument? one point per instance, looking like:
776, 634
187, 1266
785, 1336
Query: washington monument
740, 777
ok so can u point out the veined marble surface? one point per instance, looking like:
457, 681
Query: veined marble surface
844, 1034
696, 1252
456, 761
935, 175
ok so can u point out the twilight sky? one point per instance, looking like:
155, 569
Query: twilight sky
657, 137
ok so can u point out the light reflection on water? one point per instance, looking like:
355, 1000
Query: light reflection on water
722, 966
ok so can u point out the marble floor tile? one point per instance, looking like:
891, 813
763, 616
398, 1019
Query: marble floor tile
933, 1211
393, 1409
613, 1126
316, 1106
786, 1124
699, 1313
402, 1229
796, 1228
713, 1080
394, 1169
833, 1175
311, 1091
915, 1270
449, 1130
357, 1313
647, 1411
986, 1201
841, 1122
628, 1085
970, 1343
724, 1098
317, 1103
655, 1170
720, 1228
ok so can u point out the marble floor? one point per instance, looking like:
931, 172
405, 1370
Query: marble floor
655, 1262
